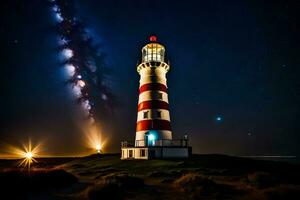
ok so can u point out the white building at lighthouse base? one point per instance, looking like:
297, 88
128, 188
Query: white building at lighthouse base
158, 149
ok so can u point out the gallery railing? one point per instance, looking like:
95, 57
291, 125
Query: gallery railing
156, 143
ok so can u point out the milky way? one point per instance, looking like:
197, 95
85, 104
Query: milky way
84, 64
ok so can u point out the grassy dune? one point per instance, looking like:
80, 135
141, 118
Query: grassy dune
107, 177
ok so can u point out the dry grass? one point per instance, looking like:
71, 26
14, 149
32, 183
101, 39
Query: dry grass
261, 180
114, 187
200, 177
196, 186
282, 192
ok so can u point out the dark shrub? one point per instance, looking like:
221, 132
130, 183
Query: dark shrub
125, 181
261, 179
58, 178
169, 174
167, 180
114, 187
105, 191
159, 174
14, 184
17, 183
196, 186
282, 192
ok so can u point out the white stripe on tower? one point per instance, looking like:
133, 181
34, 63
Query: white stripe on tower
154, 114
153, 95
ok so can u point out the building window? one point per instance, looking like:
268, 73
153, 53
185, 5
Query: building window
143, 153
130, 154
158, 114
159, 96
146, 113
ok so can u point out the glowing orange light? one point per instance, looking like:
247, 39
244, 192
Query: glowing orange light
98, 148
94, 139
27, 153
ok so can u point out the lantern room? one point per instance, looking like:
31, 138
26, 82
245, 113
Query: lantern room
153, 51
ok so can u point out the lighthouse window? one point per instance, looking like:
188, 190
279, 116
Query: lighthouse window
146, 113
159, 96
153, 52
158, 114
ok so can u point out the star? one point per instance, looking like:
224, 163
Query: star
219, 118
16, 41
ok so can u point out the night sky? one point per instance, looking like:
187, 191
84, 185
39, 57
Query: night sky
233, 85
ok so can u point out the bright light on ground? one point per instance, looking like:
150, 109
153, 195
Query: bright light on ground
94, 139
98, 148
28, 155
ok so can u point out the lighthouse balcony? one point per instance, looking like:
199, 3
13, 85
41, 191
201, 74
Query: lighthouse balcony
158, 149
156, 143
153, 64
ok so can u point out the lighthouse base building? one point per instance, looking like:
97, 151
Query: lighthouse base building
156, 152
153, 138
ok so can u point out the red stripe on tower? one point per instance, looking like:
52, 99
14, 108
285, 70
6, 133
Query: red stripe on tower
153, 104
153, 86
155, 124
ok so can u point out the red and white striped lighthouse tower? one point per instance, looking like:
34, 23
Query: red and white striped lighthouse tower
153, 137
153, 118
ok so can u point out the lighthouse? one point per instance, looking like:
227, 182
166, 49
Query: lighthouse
153, 137
153, 117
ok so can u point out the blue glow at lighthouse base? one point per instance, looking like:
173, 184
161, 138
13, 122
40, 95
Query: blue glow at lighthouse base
151, 139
